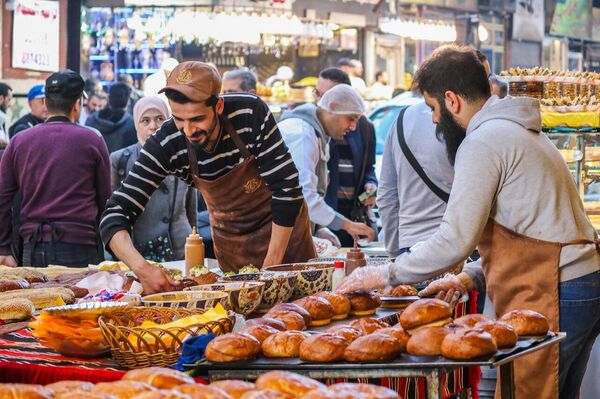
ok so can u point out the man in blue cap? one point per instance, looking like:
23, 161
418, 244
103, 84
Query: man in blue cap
38, 114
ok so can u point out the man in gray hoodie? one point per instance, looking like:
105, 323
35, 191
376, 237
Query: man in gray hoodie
514, 197
307, 131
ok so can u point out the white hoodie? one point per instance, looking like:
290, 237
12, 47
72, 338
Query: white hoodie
506, 170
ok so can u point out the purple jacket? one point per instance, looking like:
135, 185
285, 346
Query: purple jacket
63, 173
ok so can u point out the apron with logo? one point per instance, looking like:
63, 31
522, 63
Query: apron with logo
239, 204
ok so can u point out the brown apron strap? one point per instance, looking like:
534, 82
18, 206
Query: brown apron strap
228, 126
580, 242
193, 159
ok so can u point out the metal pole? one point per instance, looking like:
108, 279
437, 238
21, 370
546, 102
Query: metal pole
507, 381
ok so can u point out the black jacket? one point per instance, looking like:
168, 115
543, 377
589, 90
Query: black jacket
25, 122
116, 126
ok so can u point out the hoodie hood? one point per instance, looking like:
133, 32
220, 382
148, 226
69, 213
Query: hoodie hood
307, 113
524, 111
109, 121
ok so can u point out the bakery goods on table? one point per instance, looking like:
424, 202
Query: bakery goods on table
425, 313
284, 344
503, 333
292, 384
368, 324
321, 311
340, 304
427, 341
292, 307
346, 331
323, 348
363, 304
470, 344
373, 348
527, 322
232, 347
234, 388
260, 331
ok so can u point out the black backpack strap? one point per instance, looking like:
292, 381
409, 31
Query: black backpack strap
122, 165
413, 161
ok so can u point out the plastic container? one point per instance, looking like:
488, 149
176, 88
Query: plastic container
338, 274
194, 251
355, 258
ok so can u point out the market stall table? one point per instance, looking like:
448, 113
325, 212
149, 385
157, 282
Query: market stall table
431, 368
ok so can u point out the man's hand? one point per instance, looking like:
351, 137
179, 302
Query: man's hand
366, 278
358, 229
154, 279
8, 260
370, 188
328, 235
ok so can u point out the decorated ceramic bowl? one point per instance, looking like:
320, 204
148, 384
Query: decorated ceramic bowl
313, 277
244, 296
279, 286
187, 299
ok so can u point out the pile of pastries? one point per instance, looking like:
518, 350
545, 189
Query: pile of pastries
426, 329
571, 104
549, 75
161, 383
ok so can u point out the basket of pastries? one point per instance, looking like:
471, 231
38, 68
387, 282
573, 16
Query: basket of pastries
143, 336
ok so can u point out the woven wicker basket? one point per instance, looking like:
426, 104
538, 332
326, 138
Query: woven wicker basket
135, 347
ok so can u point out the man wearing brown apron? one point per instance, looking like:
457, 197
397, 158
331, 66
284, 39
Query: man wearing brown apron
229, 147
514, 198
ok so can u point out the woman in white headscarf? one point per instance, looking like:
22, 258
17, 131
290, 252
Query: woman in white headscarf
160, 231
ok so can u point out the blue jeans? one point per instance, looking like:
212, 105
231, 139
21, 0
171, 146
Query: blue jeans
580, 319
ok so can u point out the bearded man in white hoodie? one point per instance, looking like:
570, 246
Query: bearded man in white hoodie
514, 198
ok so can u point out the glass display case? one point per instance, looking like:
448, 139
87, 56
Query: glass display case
581, 150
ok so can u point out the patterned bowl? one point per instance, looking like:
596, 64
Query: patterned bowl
279, 286
313, 277
244, 297
186, 299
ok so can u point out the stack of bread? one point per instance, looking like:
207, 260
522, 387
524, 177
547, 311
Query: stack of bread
433, 332
161, 383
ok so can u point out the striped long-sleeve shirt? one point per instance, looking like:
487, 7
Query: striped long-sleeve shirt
165, 153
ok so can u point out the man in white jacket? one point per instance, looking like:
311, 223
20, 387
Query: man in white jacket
307, 131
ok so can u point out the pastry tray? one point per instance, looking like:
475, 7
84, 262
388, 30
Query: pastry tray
524, 346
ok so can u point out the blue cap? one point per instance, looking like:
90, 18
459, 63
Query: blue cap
36, 91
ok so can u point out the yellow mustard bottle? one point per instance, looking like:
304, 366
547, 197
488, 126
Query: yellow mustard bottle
194, 251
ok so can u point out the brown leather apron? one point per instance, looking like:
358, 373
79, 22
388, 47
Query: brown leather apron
239, 204
523, 273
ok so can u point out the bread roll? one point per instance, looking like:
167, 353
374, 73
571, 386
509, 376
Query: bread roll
234, 388
16, 309
291, 320
162, 395
159, 377
24, 391
287, 383
469, 320
527, 322
69, 386
398, 333
503, 333
232, 347
284, 344
346, 331
21, 273
199, 391
340, 304
265, 394
323, 348
11, 285
260, 331
363, 304
348, 390
427, 341
278, 324
77, 394
368, 325
425, 313
293, 308
320, 309
400, 290
40, 297
373, 348
470, 344
124, 389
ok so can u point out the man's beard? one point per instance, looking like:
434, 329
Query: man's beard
3, 107
206, 144
450, 131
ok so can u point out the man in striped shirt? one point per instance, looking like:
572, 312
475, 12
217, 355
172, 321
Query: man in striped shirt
230, 148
